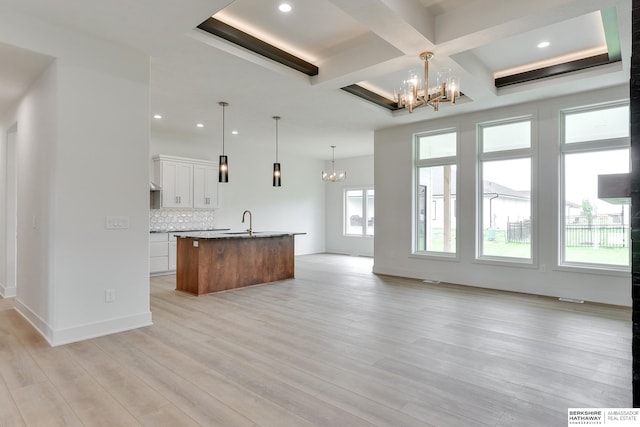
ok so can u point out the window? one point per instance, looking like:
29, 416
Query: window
504, 196
594, 233
436, 179
359, 212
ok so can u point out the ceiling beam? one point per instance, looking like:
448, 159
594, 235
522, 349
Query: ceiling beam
480, 23
405, 24
247, 41
554, 70
356, 60
611, 32
370, 96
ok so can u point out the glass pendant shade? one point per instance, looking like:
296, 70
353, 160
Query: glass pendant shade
223, 165
277, 176
223, 169
277, 173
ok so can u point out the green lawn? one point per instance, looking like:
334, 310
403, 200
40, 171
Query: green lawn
584, 254
498, 247
611, 256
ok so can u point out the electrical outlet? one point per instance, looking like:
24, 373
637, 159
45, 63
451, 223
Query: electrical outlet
543, 268
195, 243
109, 295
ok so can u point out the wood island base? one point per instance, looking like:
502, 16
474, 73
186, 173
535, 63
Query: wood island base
214, 265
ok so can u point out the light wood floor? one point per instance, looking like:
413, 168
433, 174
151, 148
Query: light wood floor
337, 346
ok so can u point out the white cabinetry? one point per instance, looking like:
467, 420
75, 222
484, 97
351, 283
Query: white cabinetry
176, 179
173, 253
158, 252
163, 251
205, 186
186, 183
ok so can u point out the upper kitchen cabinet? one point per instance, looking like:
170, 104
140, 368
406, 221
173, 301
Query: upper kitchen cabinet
176, 179
205, 185
186, 183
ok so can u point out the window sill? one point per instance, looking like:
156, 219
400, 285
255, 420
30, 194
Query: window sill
601, 270
435, 256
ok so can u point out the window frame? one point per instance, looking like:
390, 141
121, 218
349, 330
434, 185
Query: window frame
438, 161
508, 154
591, 146
365, 211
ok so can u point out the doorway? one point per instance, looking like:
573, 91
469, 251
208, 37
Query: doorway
9, 287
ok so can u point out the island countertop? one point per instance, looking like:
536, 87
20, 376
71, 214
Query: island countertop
204, 235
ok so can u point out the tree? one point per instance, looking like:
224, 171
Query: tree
589, 211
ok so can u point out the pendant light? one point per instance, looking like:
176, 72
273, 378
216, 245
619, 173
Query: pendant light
333, 176
223, 166
277, 176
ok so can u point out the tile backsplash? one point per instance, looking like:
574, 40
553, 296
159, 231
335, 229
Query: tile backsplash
181, 219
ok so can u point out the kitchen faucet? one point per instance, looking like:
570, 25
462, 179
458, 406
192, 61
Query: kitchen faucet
250, 229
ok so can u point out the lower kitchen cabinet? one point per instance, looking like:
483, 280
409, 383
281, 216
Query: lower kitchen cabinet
173, 251
162, 253
158, 253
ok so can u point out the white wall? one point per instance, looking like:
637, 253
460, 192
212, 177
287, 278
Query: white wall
36, 144
359, 174
4, 164
296, 206
393, 239
82, 148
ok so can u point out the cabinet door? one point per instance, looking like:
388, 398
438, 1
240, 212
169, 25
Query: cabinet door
205, 187
177, 181
173, 252
158, 252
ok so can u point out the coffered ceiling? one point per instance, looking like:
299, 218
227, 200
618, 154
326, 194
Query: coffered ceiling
370, 43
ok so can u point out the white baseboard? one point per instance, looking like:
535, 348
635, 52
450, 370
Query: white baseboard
83, 332
7, 292
36, 321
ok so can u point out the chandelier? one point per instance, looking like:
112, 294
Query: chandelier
334, 175
416, 92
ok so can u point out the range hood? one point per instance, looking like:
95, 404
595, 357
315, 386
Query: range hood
155, 187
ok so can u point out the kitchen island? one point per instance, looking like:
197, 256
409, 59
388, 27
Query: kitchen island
213, 261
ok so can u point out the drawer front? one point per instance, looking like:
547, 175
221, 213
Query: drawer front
158, 264
157, 249
158, 237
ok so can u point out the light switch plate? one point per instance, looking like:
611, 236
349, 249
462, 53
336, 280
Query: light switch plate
117, 222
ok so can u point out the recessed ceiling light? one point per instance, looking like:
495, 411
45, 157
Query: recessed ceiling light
157, 116
234, 132
285, 7
542, 45
200, 125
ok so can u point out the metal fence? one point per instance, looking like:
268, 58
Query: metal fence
606, 236
607, 231
604, 231
519, 232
